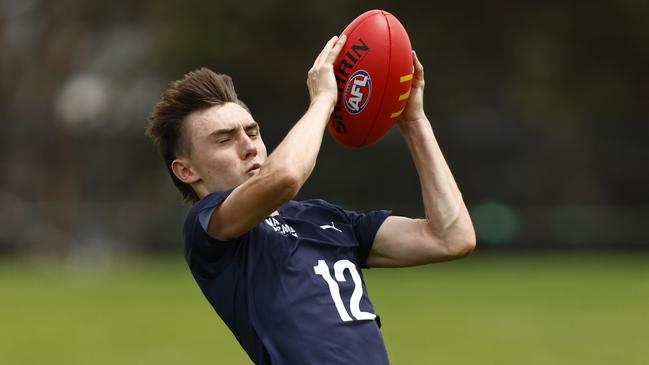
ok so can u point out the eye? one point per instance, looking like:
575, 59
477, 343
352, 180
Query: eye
224, 140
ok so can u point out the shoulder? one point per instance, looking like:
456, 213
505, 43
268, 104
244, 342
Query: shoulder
312, 203
208, 202
312, 206
198, 216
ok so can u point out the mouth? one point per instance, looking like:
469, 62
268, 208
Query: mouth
253, 168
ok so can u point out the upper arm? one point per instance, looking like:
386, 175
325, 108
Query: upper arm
251, 202
402, 241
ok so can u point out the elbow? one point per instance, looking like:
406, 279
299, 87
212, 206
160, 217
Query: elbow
461, 237
461, 244
466, 245
452, 244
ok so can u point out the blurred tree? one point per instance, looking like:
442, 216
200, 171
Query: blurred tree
539, 107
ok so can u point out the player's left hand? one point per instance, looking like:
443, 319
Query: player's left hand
414, 109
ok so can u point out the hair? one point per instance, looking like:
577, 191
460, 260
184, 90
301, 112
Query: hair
198, 90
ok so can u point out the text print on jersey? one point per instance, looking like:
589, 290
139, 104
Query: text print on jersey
322, 269
280, 227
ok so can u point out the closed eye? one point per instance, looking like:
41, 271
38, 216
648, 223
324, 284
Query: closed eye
252, 130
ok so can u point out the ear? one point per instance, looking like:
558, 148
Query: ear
184, 172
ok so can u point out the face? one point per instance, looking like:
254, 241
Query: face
226, 149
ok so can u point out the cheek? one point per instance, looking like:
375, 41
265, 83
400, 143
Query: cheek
222, 170
215, 161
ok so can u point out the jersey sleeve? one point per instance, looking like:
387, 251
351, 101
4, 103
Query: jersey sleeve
365, 227
207, 208
198, 217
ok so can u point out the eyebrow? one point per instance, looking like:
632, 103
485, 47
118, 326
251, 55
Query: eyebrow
230, 131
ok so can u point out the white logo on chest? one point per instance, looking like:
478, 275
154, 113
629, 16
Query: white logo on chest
326, 226
280, 227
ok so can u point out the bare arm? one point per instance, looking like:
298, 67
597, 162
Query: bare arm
447, 232
291, 163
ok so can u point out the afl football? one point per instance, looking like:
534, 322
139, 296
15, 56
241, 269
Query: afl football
374, 74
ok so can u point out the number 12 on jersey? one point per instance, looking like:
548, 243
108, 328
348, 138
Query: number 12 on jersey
322, 269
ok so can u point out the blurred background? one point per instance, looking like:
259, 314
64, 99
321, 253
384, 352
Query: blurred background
539, 107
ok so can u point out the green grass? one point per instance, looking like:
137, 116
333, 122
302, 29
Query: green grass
487, 309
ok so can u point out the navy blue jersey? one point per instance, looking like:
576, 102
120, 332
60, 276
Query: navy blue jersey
291, 289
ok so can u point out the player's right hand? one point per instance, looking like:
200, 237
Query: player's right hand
321, 81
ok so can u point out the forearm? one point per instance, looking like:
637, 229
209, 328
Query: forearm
297, 153
441, 196
283, 173
447, 232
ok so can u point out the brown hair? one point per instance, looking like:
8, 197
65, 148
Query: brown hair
197, 90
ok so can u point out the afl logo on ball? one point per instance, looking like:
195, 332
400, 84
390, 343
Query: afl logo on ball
357, 92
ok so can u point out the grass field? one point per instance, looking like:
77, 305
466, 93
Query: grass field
487, 309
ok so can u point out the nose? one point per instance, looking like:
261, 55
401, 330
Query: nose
248, 148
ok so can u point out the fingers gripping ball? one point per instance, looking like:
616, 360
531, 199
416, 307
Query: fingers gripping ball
374, 75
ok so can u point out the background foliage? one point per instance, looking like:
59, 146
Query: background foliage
540, 108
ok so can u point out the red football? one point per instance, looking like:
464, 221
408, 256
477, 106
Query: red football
374, 75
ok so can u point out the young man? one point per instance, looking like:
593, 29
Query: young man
285, 275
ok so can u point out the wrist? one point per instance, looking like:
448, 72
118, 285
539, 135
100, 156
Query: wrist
322, 104
413, 123
324, 100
